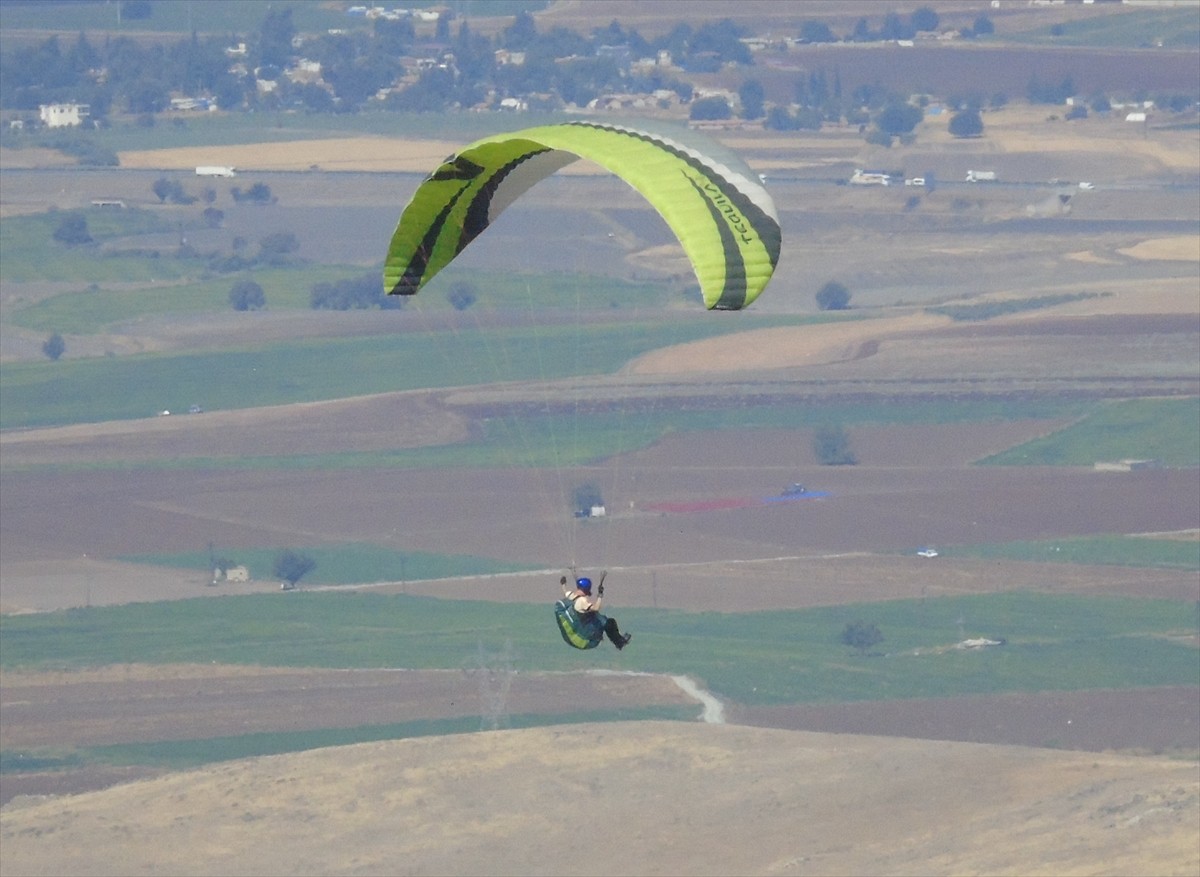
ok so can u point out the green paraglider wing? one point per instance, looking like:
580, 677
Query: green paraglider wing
723, 217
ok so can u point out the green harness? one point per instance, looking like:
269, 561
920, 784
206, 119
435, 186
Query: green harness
579, 631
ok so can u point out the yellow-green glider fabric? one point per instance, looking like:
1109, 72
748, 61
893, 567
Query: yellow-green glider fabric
724, 218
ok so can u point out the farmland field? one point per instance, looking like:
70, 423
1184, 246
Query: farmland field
1032, 704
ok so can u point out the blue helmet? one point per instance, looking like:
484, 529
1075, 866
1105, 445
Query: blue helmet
584, 585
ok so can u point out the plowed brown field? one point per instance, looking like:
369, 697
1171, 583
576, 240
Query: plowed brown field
980, 785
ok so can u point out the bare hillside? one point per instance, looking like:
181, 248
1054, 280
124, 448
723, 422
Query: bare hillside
644, 798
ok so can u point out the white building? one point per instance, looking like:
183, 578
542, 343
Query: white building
62, 115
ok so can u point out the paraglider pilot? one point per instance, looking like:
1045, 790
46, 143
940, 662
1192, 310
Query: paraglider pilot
588, 607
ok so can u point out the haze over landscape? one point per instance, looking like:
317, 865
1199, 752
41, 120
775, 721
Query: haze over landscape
912, 574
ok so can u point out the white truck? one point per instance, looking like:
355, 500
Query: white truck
215, 170
980, 176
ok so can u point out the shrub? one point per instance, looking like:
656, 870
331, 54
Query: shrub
968, 123
291, 566
73, 230
861, 636
246, 295
831, 445
54, 346
833, 296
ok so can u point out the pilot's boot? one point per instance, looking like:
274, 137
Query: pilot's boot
614, 634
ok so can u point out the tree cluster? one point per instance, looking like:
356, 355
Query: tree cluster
171, 190
132, 76
246, 295
353, 293
546, 69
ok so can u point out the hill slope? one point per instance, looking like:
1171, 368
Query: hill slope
642, 798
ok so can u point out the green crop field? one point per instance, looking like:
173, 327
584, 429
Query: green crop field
1156, 429
352, 563
1166, 28
1052, 642
30, 252
218, 16
82, 391
184, 754
364, 563
1103, 550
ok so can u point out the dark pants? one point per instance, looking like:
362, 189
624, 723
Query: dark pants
613, 633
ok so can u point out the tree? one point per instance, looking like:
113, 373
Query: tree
816, 32
983, 26
54, 346
277, 246
924, 19
136, 10
259, 193
364, 291
147, 95
461, 295
751, 94
896, 28
831, 446
710, 109
898, 118
521, 34
246, 295
275, 37
171, 190
72, 230
833, 296
161, 188
779, 119
968, 123
291, 566
861, 636
879, 137
1041, 92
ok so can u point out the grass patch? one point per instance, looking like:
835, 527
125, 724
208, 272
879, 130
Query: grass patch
989, 309
92, 311
1146, 429
185, 754
15, 761
413, 357
176, 21
512, 439
95, 309
1172, 28
1114, 550
30, 253
352, 563
1054, 642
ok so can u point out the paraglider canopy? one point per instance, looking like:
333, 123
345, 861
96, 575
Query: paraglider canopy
722, 215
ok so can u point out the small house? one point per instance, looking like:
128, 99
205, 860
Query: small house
62, 115
231, 574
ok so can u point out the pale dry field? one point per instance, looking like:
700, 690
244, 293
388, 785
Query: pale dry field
1013, 129
644, 798
658, 798
398, 154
